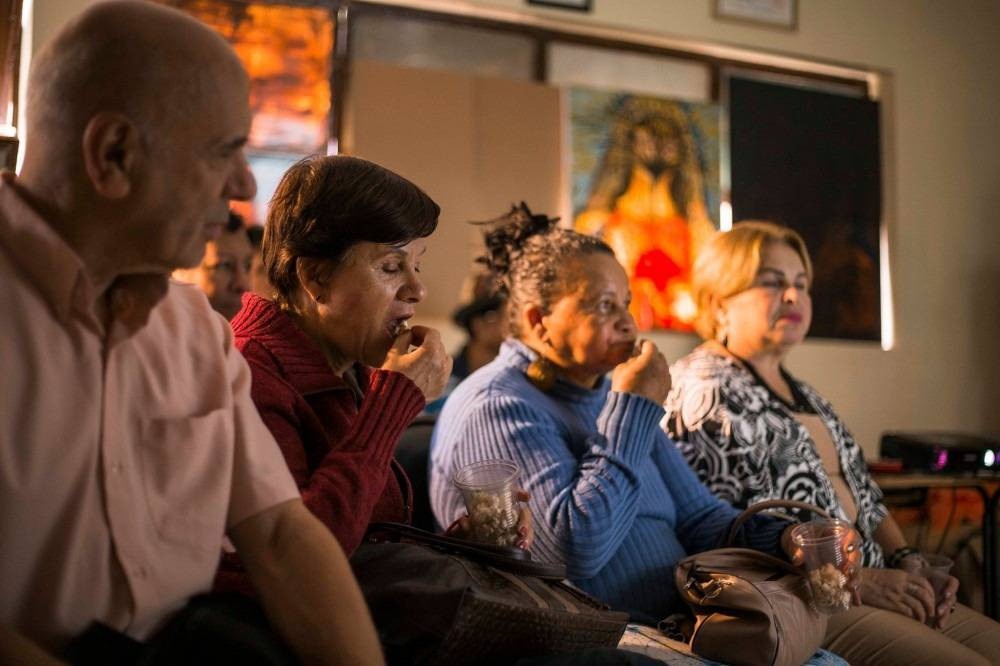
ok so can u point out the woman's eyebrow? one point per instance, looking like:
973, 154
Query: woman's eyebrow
778, 272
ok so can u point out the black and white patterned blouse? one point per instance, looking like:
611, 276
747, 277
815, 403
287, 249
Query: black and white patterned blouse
745, 444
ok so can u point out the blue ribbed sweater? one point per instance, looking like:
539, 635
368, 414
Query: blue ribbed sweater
611, 497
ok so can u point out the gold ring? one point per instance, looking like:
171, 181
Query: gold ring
912, 588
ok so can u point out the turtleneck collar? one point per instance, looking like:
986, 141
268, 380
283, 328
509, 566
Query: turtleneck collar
299, 357
516, 354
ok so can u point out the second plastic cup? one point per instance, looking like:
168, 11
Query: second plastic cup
488, 490
825, 546
936, 569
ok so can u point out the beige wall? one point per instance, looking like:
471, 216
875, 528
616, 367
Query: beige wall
944, 192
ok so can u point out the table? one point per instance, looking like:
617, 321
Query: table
991, 586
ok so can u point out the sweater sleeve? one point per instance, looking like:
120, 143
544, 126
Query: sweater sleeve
343, 489
704, 520
584, 496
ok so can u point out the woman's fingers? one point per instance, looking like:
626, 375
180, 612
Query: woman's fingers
921, 590
525, 530
525, 527
460, 529
913, 608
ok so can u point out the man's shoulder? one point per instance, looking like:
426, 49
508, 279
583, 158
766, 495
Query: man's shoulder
184, 325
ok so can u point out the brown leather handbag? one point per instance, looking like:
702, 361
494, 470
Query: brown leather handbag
750, 608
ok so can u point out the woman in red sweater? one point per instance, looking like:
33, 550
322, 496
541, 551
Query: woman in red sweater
337, 372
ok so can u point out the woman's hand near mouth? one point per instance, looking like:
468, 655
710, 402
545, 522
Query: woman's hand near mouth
428, 365
645, 374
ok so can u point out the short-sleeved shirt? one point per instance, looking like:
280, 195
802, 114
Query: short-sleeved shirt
125, 452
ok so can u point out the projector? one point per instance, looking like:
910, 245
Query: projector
947, 452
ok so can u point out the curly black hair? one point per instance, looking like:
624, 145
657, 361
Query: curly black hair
530, 256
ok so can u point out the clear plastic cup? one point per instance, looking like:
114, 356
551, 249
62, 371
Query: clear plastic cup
488, 490
936, 569
828, 549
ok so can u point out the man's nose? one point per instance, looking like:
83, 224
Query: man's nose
241, 185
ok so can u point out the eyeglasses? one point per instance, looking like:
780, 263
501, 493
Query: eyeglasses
229, 266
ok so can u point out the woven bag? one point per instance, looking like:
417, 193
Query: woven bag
750, 608
437, 600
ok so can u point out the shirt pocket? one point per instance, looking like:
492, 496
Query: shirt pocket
186, 467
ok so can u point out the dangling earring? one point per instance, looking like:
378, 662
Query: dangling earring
541, 373
721, 329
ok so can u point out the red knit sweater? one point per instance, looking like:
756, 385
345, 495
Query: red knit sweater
339, 452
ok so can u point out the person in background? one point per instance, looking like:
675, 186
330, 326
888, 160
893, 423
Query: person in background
752, 431
128, 440
259, 283
612, 498
483, 319
224, 273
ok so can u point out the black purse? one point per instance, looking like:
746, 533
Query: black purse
440, 600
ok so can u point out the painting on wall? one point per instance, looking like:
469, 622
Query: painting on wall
287, 51
810, 160
645, 178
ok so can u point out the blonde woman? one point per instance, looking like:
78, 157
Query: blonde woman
751, 431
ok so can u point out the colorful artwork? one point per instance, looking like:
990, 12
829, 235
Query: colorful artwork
646, 179
287, 51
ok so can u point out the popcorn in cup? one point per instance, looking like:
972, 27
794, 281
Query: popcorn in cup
488, 490
828, 550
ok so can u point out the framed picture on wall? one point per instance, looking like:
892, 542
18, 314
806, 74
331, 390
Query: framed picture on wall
774, 13
578, 5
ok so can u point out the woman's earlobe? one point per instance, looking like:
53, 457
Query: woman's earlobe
308, 282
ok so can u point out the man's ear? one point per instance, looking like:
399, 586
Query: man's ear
308, 271
112, 152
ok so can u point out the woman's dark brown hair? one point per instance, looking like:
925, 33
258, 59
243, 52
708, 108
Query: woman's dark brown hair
326, 204
530, 257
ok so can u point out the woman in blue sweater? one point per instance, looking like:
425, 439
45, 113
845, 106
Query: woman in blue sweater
609, 496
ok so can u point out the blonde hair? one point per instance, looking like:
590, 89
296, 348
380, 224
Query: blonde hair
728, 264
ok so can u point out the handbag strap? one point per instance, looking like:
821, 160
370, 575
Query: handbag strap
750, 511
512, 560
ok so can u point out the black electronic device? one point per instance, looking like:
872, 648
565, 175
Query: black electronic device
945, 452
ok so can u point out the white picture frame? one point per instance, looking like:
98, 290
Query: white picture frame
782, 14
577, 5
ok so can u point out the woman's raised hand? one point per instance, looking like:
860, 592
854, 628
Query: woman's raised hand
428, 364
646, 374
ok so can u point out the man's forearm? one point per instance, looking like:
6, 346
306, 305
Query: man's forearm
307, 587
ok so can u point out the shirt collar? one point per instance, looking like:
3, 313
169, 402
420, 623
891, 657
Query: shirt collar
58, 272
50, 265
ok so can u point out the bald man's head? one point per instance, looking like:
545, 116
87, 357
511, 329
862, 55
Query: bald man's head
137, 119
152, 63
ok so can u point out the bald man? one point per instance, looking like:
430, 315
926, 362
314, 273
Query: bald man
128, 441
